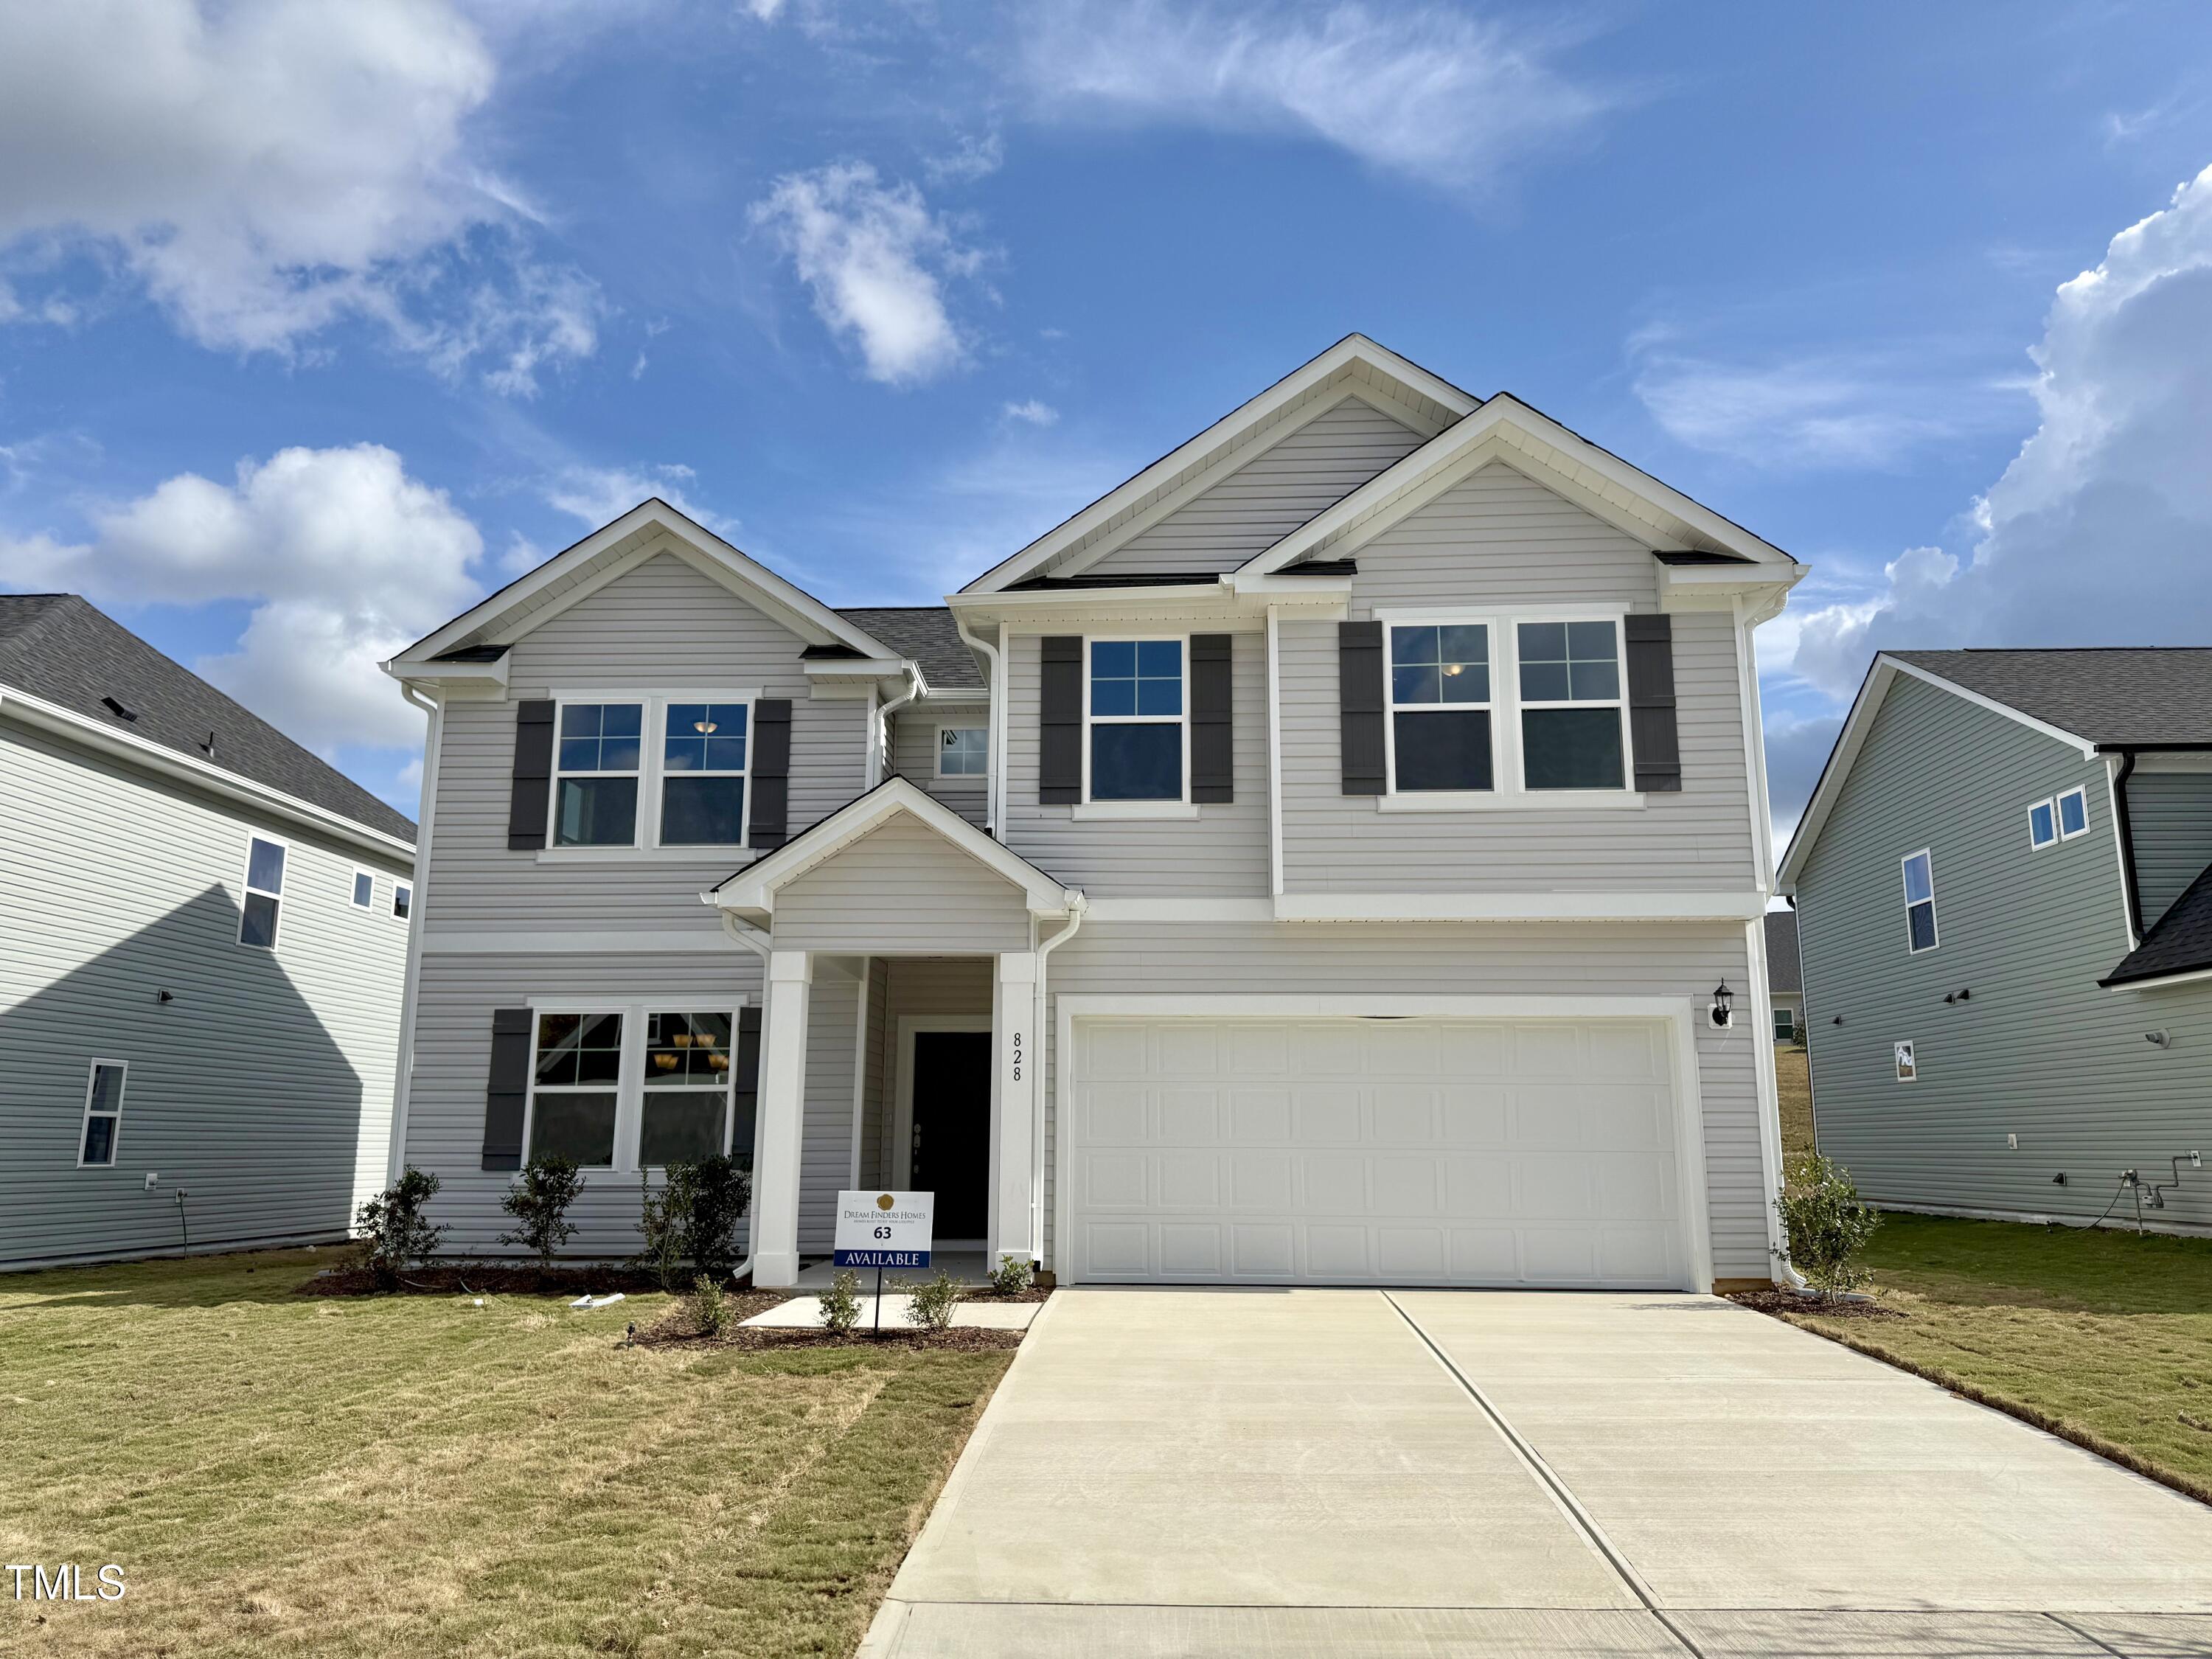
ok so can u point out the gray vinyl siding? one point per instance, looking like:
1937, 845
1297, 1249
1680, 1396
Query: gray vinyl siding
262, 1090
1269, 495
1220, 853
1613, 959
2170, 814
662, 626
2038, 1050
1495, 540
826, 1132
902, 887
913, 756
875, 1168
918, 985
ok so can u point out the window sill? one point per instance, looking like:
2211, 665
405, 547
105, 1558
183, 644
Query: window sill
1090, 811
714, 855
1537, 800
957, 780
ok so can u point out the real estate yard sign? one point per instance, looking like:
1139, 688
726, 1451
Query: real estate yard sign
884, 1230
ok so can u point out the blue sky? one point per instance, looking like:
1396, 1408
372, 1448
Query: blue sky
316, 322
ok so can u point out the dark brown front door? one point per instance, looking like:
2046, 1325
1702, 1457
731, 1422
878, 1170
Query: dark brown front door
953, 1127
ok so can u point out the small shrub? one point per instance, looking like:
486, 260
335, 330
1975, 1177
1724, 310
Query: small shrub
663, 1220
1824, 1226
720, 1192
840, 1303
708, 1302
394, 1236
933, 1301
539, 1203
1013, 1276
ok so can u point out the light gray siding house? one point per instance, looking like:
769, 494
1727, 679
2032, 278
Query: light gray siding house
1314, 862
1785, 988
202, 950
2002, 894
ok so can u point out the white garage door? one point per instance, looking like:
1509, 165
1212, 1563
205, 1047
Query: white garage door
1395, 1151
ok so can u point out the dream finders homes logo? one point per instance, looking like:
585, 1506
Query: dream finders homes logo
66, 1584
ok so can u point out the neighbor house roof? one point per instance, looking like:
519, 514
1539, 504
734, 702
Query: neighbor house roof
2117, 696
928, 633
2180, 942
62, 650
1783, 973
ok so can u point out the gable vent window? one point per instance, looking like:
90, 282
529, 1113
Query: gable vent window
264, 893
1138, 735
1920, 902
595, 785
1572, 712
1440, 706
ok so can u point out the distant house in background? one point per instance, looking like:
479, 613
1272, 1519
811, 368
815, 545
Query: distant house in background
1784, 984
202, 945
2003, 883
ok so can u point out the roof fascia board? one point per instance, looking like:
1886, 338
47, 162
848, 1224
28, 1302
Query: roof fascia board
754, 887
1353, 348
452, 673
89, 733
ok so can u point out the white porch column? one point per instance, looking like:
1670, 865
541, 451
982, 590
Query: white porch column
782, 1110
1014, 1102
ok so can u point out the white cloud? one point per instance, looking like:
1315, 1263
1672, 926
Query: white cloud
596, 495
2097, 532
1425, 90
971, 159
1034, 411
876, 261
344, 557
265, 170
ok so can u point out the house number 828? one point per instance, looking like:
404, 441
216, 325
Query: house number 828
1018, 1056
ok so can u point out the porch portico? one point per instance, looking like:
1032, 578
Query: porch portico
891, 924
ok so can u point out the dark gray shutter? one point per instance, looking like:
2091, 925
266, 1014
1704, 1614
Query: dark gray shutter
533, 774
746, 1085
508, 1090
770, 785
1212, 744
1651, 643
1059, 720
1360, 707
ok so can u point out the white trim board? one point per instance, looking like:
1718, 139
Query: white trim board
1519, 907
587, 941
1678, 1014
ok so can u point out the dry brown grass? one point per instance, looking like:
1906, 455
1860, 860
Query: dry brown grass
283, 1476
1793, 1083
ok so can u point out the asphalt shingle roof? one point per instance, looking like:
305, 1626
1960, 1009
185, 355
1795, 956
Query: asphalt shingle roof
2180, 942
2119, 695
1783, 973
928, 633
58, 648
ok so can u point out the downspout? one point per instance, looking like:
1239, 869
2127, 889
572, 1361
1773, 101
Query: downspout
396, 1159
1077, 905
2126, 825
879, 728
994, 797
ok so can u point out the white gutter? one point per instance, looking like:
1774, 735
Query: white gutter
396, 1157
1077, 904
879, 728
994, 797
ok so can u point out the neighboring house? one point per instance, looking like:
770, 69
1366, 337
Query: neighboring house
2002, 886
1313, 862
1785, 988
202, 950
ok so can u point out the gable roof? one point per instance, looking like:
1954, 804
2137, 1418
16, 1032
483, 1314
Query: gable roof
2180, 942
1354, 364
1782, 972
582, 568
928, 634
63, 650
2115, 697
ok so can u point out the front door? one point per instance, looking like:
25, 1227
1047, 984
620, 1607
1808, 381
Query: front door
953, 1127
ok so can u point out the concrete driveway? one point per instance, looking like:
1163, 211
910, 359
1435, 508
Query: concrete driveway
1211, 1472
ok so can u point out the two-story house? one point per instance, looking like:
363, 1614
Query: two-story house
203, 947
1318, 861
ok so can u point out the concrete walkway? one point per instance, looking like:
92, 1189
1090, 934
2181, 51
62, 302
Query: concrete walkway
1210, 1472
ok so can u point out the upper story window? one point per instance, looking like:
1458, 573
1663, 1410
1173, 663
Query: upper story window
1919, 902
2043, 823
1136, 745
364, 888
600, 751
1440, 706
265, 892
963, 751
2060, 818
402, 900
702, 785
1573, 721
103, 1114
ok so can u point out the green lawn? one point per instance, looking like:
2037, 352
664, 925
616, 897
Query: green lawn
2104, 1335
278, 1474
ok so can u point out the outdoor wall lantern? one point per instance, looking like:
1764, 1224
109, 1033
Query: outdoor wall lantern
1722, 999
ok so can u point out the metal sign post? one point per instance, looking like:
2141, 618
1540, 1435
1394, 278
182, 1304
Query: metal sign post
884, 1230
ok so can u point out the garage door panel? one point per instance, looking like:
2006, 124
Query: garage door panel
1417, 1152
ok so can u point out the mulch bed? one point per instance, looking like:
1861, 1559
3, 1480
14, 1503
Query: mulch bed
484, 1279
1782, 1303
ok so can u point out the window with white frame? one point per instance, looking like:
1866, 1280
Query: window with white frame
265, 892
597, 761
103, 1114
402, 900
364, 889
1574, 721
2043, 823
963, 751
1919, 902
1136, 746
638, 1085
1439, 731
702, 768
2073, 814
1785, 1023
